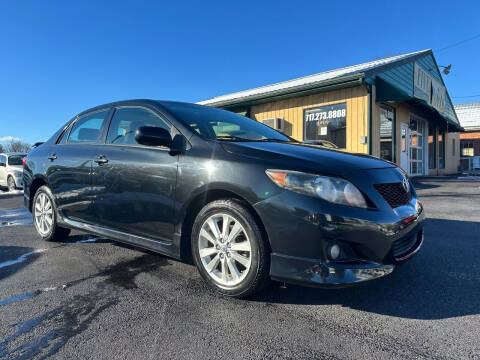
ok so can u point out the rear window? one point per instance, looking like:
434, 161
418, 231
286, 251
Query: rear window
87, 128
15, 159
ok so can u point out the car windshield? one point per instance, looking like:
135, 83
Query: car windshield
15, 159
216, 124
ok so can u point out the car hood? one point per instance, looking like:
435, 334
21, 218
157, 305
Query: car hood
307, 156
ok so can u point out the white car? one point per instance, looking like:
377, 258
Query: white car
11, 170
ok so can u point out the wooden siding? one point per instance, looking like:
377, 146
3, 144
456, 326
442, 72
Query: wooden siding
292, 111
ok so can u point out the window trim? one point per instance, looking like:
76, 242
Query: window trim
305, 109
65, 131
78, 117
173, 130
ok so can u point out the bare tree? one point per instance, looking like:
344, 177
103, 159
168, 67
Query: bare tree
17, 146
1, 148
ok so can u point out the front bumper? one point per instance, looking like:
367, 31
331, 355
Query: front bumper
316, 272
301, 230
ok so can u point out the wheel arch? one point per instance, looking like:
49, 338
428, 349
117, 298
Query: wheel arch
197, 203
34, 186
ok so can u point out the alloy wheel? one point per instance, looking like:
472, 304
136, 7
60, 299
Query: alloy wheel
225, 249
43, 214
11, 184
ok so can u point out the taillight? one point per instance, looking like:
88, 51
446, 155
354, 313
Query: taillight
24, 160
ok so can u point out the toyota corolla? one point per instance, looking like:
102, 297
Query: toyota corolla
246, 202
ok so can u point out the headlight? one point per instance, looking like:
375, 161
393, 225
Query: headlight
333, 189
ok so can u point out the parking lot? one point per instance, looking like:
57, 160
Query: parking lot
92, 298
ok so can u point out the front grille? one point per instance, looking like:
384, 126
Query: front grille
394, 193
405, 246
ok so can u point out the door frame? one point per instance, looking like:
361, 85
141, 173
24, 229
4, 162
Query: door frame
404, 160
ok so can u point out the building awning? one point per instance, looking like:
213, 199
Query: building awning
386, 91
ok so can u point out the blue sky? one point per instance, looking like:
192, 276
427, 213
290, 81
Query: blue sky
58, 58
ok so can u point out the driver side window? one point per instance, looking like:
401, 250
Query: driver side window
127, 120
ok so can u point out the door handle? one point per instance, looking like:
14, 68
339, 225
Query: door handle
52, 157
101, 160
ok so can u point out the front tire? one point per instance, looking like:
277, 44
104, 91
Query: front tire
229, 250
45, 216
11, 184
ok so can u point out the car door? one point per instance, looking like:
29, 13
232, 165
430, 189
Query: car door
70, 166
3, 170
134, 185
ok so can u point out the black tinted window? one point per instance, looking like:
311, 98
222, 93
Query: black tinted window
219, 124
15, 159
127, 120
87, 128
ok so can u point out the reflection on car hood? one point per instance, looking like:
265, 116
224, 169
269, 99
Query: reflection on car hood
330, 160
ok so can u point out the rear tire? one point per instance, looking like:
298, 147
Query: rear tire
11, 184
229, 250
45, 216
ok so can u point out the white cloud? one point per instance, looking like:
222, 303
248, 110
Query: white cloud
9, 138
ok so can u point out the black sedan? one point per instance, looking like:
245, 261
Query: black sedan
248, 203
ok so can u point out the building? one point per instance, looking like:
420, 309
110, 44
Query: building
469, 116
395, 108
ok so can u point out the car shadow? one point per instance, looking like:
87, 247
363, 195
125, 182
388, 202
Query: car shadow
423, 184
15, 258
7, 195
441, 281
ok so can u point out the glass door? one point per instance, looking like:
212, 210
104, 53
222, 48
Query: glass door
416, 146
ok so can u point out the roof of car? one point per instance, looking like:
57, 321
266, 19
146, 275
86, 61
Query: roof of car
134, 102
13, 153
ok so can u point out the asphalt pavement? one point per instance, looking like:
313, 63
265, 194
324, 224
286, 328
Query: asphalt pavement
92, 298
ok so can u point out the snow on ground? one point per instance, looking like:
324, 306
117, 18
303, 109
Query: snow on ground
469, 177
16, 192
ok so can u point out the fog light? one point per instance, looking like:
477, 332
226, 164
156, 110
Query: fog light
334, 252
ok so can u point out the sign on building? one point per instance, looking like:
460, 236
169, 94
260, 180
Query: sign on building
429, 89
328, 122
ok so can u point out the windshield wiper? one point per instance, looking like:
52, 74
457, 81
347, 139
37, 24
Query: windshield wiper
273, 140
232, 138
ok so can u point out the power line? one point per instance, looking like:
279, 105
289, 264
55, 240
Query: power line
466, 96
458, 43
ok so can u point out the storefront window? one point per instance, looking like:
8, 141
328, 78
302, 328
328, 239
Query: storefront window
432, 147
327, 123
466, 148
387, 124
441, 149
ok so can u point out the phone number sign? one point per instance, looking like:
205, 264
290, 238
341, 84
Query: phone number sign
323, 115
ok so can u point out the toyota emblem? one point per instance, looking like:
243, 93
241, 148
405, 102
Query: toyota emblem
406, 185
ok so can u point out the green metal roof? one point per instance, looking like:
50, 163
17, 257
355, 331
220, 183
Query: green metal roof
393, 77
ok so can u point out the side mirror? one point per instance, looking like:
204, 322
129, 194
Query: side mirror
153, 136
179, 145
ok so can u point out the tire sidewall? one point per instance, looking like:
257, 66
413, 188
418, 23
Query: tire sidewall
9, 180
246, 220
45, 190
